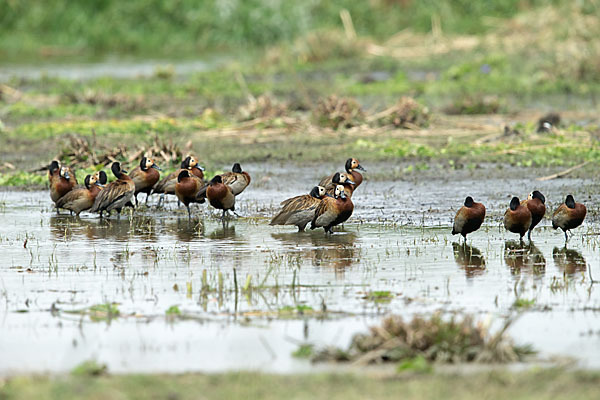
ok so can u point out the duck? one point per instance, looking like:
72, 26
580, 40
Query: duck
237, 180
468, 218
167, 184
333, 211
517, 219
299, 210
220, 195
82, 199
54, 170
62, 181
569, 215
340, 178
351, 167
116, 194
536, 203
145, 176
187, 188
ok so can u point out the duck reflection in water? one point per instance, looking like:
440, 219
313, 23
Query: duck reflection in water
121, 229
524, 257
225, 231
337, 251
469, 258
186, 230
569, 261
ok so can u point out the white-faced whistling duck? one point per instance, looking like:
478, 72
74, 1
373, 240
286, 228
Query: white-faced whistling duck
145, 176
568, 216
333, 211
468, 218
237, 180
299, 210
340, 178
517, 219
187, 188
536, 203
220, 195
167, 184
116, 194
81, 199
62, 181
352, 167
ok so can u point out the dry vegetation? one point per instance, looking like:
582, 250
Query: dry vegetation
436, 339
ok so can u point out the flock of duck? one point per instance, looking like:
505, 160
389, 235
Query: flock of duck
521, 216
328, 204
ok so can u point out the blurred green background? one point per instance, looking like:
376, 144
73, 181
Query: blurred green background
31, 29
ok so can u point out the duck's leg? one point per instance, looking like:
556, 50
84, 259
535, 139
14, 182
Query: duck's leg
189, 213
147, 195
566, 237
529, 235
160, 200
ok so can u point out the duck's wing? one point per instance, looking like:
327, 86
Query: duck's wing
112, 193
325, 213
70, 197
166, 184
303, 203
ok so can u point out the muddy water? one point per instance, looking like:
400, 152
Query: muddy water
54, 268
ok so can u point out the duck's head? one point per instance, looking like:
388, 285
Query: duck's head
536, 194
237, 168
339, 192
341, 178
53, 166
117, 170
570, 201
64, 172
146, 163
352, 164
99, 178
318, 192
469, 201
514, 203
216, 180
89, 181
183, 174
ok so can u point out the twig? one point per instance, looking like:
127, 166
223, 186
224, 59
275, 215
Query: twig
562, 173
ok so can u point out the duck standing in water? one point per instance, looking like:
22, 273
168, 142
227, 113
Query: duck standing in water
536, 203
333, 211
568, 216
468, 218
145, 176
116, 194
167, 184
220, 196
299, 210
517, 219
82, 199
237, 180
187, 188
62, 181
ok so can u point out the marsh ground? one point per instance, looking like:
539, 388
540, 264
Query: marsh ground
154, 293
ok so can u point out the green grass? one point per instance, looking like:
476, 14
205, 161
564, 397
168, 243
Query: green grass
60, 28
532, 384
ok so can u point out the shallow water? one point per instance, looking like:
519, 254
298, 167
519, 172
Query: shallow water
106, 68
56, 267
